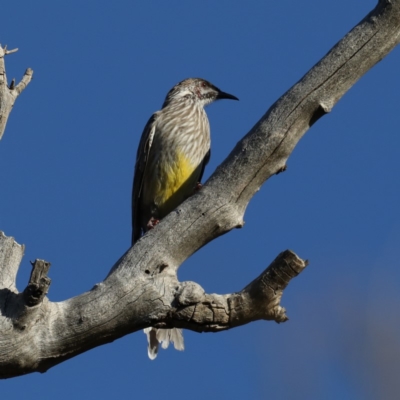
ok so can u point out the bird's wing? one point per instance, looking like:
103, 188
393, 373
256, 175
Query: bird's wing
205, 161
140, 167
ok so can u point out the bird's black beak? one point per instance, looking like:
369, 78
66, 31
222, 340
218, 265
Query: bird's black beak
223, 95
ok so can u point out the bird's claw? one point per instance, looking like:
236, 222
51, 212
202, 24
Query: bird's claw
152, 223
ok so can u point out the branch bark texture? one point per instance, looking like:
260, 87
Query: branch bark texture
142, 289
9, 93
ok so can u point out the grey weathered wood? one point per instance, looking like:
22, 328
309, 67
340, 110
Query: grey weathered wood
11, 254
8, 94
39, 283
23, 308
142, 289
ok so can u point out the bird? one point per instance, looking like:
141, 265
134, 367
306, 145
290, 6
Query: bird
171, 157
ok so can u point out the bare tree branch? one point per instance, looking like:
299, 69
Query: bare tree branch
39, 283
8, 95
142, 289
11, 254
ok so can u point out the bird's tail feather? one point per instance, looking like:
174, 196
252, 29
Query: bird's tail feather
163, 337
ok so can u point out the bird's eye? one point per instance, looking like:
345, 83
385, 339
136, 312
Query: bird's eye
203, 84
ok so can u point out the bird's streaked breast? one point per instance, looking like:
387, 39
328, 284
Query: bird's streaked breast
179, 147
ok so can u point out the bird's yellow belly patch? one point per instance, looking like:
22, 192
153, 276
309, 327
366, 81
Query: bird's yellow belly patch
176, 182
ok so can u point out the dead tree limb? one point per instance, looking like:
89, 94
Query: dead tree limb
9, 93
142, 289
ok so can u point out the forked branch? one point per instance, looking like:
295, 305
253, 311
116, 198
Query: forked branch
9, 93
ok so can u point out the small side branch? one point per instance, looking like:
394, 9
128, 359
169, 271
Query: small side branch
10, 258
8, 94
6, 51
27, 306
39, 283
259, 300
17, 90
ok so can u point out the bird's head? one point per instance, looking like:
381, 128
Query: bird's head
198, 90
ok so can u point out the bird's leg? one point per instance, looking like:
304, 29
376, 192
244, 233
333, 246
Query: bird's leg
152, 223
197, 187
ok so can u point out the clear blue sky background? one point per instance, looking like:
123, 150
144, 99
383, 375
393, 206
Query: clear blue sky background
67, 156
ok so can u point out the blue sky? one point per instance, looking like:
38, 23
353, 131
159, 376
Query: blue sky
100, 70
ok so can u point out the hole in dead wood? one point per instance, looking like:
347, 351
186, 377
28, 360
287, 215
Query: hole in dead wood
162, 267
